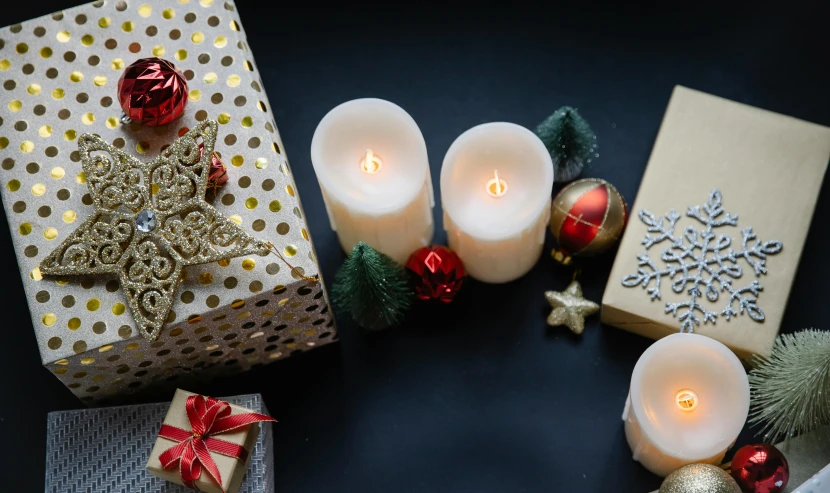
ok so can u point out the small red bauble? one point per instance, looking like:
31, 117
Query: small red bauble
760, 468
587, 217
439, 272
152, 91
218, 175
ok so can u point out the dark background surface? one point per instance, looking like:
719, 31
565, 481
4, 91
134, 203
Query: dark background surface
479, 395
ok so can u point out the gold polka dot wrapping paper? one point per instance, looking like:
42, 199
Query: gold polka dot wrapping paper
59, 80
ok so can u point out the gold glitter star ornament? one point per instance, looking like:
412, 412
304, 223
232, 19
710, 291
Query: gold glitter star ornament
570, 308
150, 220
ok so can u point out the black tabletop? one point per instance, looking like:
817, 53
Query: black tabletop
478, 395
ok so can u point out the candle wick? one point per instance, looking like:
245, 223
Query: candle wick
496, 187
371, 164
686, 399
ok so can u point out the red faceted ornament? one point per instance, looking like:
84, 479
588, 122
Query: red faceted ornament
439, 272
152, 91
760, 468
587, 217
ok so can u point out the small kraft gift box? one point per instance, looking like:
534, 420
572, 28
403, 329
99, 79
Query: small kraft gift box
719, 223
87, 450
204, 443
60, 78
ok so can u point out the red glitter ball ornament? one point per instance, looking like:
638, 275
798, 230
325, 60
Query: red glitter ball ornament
760, 468
152, 91
439, 271
218, 175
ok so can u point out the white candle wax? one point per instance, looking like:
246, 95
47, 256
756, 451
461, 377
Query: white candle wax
688, 402
496, 184
371, 161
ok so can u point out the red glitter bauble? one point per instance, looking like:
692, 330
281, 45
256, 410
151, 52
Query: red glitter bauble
439, 271
152, 91
760, 468
218, 175
587, 217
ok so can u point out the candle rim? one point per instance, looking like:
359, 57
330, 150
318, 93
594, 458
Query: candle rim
511, 228
647, 426
336, 191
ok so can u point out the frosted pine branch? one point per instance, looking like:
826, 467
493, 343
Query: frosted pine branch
791, 388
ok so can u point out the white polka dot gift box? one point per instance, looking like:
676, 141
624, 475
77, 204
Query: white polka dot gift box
133, 273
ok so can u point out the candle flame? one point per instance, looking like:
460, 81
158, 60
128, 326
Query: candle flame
686, 400
370, 163
496, 187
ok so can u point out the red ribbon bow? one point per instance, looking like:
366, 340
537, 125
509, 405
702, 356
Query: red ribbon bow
208, 417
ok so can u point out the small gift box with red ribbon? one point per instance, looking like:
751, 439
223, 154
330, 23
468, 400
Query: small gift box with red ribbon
204, 443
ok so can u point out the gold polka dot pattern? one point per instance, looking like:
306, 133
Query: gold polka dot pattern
59, 81
259, 330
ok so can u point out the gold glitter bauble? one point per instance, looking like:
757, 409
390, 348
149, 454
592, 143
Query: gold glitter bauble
570, 308
150, 221
699, 478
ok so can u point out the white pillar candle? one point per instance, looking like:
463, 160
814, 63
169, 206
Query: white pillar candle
371, 161
688, 402
496, 184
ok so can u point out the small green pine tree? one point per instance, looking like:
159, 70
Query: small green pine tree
569, 140
791, 388
372, 287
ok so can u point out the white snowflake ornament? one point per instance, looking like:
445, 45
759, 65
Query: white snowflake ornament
699, 261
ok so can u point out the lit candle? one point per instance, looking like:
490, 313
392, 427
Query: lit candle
688, 402
371, 161
496, 184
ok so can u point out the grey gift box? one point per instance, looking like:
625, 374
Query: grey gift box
106, 449
60, 75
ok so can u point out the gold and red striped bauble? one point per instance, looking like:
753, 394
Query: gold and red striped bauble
587, 217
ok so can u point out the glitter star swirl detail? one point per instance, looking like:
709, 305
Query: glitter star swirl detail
150, 220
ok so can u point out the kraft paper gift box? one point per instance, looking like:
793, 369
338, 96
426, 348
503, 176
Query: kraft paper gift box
107, 449
231, 470
768, 170
59, 76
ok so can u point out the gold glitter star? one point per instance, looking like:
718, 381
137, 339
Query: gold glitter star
570, 308
150, 221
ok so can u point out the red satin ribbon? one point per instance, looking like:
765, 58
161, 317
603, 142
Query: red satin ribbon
208, 417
